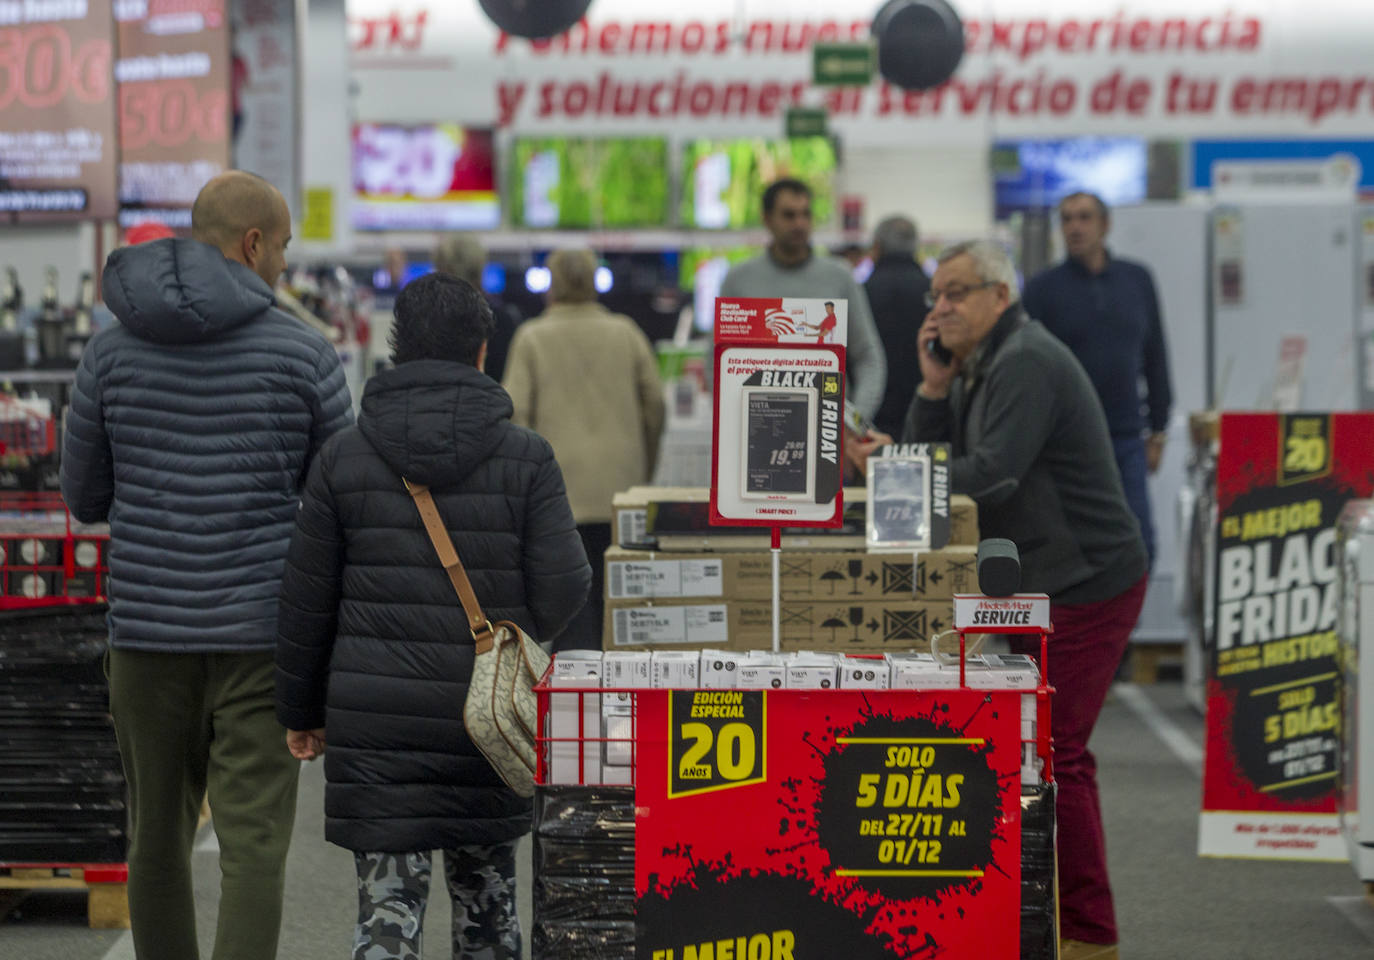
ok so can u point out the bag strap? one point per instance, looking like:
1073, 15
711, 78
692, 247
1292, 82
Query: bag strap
483, 634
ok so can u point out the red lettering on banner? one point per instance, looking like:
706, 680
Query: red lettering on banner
508, 97
393, 33
1033, 39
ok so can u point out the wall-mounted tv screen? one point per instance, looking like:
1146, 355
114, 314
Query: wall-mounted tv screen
1036, 174
437, 176
566, 183
723, 180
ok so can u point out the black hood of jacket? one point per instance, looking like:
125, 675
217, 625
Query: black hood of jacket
433, 421
181, 291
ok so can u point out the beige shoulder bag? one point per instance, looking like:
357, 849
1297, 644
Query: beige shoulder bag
501, 712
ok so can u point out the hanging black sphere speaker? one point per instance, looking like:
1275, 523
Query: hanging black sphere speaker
534, 19
920, 42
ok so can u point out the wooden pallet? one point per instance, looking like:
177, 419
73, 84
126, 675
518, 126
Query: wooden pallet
1146, 658
107, 906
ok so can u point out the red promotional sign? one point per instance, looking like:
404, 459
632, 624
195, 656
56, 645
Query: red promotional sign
1272, 700
57, 119
803, 825
777, 432
174, 85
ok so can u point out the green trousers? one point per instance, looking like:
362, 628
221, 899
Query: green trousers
188, 723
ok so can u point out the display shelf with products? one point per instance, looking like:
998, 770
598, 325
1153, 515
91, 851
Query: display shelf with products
47, 558
63, 819
676, 783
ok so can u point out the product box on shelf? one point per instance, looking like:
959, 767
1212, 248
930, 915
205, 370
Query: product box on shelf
624, 670
830, 575
575, 718
673, 518
720, 668
762, 670
812, 670
963, 521
920, 671
863, 673
868, 625
629, 517
677, 519
675, 669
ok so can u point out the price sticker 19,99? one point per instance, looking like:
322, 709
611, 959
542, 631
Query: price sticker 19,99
716, 740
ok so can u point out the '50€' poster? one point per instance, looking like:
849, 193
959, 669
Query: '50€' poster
806, 826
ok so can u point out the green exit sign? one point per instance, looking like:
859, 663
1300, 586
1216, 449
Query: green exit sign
805, 122
842, 64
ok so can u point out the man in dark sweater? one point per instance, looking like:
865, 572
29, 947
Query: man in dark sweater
896, 293
1106, 311
1030, 445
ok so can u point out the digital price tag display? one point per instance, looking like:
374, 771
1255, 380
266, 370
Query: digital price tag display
777, 440
908, 498
778, 451
779, 436
898, 502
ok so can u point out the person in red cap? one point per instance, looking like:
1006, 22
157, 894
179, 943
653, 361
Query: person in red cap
146, 232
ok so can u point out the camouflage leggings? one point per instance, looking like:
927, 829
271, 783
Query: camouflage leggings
393, 889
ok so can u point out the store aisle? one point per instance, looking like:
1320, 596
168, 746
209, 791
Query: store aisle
1170, 903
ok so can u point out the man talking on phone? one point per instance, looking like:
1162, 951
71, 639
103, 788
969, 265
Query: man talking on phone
1030, 445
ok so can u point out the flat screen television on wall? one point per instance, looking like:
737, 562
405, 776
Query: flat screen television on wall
579, 183
723, 180
1037, 174
438, 176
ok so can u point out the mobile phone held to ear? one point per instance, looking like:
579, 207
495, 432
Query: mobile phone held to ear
938, 352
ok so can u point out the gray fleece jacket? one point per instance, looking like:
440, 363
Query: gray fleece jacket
1030, 445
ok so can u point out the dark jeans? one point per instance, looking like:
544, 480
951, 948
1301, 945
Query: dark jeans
1084, 651
584, 630
1130, 460
187, 722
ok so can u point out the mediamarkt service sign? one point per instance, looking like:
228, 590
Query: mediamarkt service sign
1041, 68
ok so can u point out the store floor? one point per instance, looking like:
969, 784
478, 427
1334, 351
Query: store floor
1170, 903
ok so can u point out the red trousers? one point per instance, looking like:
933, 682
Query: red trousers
1085, 650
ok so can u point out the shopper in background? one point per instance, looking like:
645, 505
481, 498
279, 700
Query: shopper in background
461, 256
192, 425
587, 379
147, 231
896, 291
374, 651
1106, 310
1030, 445
791, 268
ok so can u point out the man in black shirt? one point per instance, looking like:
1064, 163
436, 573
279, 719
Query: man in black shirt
1106, 311
896, 294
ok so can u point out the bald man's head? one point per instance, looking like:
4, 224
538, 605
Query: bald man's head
246, 218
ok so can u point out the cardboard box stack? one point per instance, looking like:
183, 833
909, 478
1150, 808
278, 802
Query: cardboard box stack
674, 582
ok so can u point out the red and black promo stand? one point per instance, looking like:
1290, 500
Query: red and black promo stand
821, 823
67, 828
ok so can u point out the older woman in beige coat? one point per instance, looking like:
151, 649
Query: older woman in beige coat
586, 379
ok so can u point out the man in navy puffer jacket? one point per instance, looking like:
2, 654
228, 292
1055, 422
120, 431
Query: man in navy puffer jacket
374, 650
192, 426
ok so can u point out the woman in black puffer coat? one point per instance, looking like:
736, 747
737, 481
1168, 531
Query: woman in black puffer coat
373, 648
